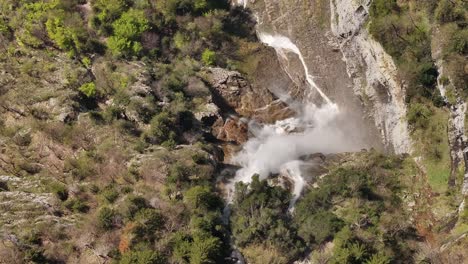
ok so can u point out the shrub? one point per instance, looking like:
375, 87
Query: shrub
76, 205
447, 11
107, 11
88, 89
205, 248
201, 197
459, 42
67, 32
127, 33
418, 115
318, 227
142, 257
110, 194
161, 128
428, 74
208, 57
133, 205
60, 191
106, 217
148, 221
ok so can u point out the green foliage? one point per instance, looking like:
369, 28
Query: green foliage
209, 57
106, 218
200, 248
142, 257
110, 194
161, 129
107, 11
381, 8
259, 214
60, 191
320, 226
81, 167
459, 42
68, 34
88, 89
148, 221
405, 34
205, 248
133, 204
201, 197
419, 115
125, 40
76, 205
449, 11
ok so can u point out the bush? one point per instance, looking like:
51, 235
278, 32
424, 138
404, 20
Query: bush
110, 194
67, 32
106, 218
88, 89
125, 40
161, 128
142, 257
418, 115
76, 205
133, 205
201, 197
147, 222
319, 227
107, 11
208, 57
447, 11
60, 191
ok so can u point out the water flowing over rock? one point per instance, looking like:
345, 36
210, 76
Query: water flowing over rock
347, 101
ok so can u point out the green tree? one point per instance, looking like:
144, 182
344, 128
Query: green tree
142, 257
106, 218
208, 57
148, 221
67, 32
205, 248
201, 197
125, 40
88, 89
161, 128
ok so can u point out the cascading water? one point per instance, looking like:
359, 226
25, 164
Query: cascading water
277, 148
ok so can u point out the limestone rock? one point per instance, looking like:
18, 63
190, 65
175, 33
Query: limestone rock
232, 93
231, 130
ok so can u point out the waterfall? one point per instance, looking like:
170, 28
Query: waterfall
278, 148
282, 43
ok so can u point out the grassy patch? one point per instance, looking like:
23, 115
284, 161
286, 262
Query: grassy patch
432, 145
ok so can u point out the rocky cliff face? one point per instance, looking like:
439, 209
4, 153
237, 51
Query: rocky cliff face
345, 62
372, 71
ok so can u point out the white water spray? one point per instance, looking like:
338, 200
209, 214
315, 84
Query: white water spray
278, 148
281, 44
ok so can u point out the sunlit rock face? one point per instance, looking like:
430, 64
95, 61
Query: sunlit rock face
346, 94
314, 55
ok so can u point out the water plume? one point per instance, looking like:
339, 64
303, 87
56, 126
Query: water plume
277, 148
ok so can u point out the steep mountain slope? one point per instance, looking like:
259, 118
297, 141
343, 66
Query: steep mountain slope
207, 131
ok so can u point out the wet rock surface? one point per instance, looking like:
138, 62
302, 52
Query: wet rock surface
307, 25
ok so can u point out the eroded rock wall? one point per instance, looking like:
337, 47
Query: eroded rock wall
373, 72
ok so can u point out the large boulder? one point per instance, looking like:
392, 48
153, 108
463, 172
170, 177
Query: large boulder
232, 93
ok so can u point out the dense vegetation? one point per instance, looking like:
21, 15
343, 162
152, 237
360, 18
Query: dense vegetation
357, 206
129, 70
420, 35
103, 160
